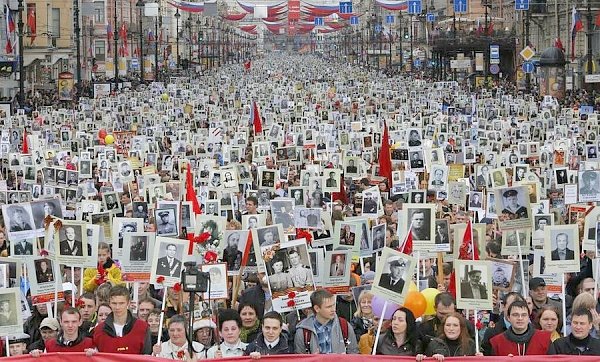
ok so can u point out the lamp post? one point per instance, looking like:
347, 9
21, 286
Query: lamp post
77, 31
140, 6
177, 16
21, 65
116, 40
156, 24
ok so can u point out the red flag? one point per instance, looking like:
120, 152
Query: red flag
247, 250
597, 20
341, 195
247, 65
490, 29
558, 44
408, 243
31, 23
190, 192
256, 122
25, 143
385, 160
452, 284
468, 250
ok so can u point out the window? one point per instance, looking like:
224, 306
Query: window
55, 23
100, 50
99, 12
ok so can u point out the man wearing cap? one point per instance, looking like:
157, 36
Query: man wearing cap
512, 209
539, 298
49, 330
393, 280
165, 226
473, 289
168, 265
17, 344
589, 183
17, 221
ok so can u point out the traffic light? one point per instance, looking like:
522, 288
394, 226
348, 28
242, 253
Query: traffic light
200, 36
406, 36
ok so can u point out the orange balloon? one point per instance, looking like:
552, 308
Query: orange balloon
416, 303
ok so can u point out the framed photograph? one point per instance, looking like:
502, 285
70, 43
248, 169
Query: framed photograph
323, 235
72, 239
253, 221
420, 221
561, 245
46, 282
378, 238
503, 274
332, 180
11, 318
18, 220
442, 235
122, 226
218, 281
474, 284
136, 261
393, 275
234, 249
438, 178
589, 185
282, 210
307, 218
346, 235
111, 201
288, 269
267, 236
511, 239
11, 266
23, 248
540, 221
166, 222
476, 201
417, 197
515, 207
103, 219
299, 195
168, 259
499, 177
214, 226
337, 271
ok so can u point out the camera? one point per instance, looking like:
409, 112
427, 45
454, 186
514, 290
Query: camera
193, 280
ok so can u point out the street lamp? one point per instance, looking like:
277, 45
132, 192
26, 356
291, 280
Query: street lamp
140, 6
157, 24
77, 30
177, 16
21, 65
116, 40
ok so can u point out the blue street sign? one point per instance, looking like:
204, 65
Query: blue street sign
460, 6
417, 63
494, 51
414, 7
318, 21
586, 109
345, 7
494, 69
354, 20
528, 67
521, 4
430, 17
389, 19
377, 28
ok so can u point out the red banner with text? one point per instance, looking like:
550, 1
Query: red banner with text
105, 357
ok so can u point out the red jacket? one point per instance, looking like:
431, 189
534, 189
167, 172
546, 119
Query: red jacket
136, 337
537, 345
53, 346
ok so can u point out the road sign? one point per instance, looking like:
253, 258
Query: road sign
430, 17
354, 20
527, 53
494, 69
592, 78
460, 6
389, 19
377, 28
319, 21
345, 7
414, 7
521, 4
458, 64
494, 51
528, 67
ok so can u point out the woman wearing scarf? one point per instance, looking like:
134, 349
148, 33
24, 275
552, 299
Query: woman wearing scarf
176, 347
250, 322
454, 341
363, 317
107, 270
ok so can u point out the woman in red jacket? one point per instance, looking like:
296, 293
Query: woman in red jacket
521, 339
69, 339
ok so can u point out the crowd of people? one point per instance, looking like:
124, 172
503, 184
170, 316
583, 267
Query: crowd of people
261, 149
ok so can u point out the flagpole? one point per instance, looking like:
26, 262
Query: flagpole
524, 292
374, 351
473, 246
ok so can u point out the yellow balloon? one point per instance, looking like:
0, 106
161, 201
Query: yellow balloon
109, 139
412, 287
429, 295
165, 97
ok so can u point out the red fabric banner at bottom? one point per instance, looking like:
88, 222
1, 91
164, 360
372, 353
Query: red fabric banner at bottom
108, 357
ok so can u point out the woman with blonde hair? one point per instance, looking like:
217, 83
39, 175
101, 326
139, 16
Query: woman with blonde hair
587, 302
363, 317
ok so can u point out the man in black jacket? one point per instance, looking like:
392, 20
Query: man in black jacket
271, 341
579, 342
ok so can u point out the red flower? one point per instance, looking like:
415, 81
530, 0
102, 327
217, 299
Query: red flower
292, 295
177, 287
210, 256
479, 325
180, 354
301, 233
160, 279
202, 238
44, 252
79, 303
291, 303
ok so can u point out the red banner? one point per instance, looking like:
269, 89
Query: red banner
106, 357
293, 10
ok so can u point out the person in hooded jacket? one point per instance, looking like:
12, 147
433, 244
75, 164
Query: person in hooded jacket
579, 342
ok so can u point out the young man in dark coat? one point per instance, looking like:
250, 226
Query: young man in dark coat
271, 341
579, 342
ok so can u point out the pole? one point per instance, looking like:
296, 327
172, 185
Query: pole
156, 49
177, 16
527, 75
412, 62
77, 30
116, 40
379, 328
21, 60
400, 37
590, 60
141, 6
487, 48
